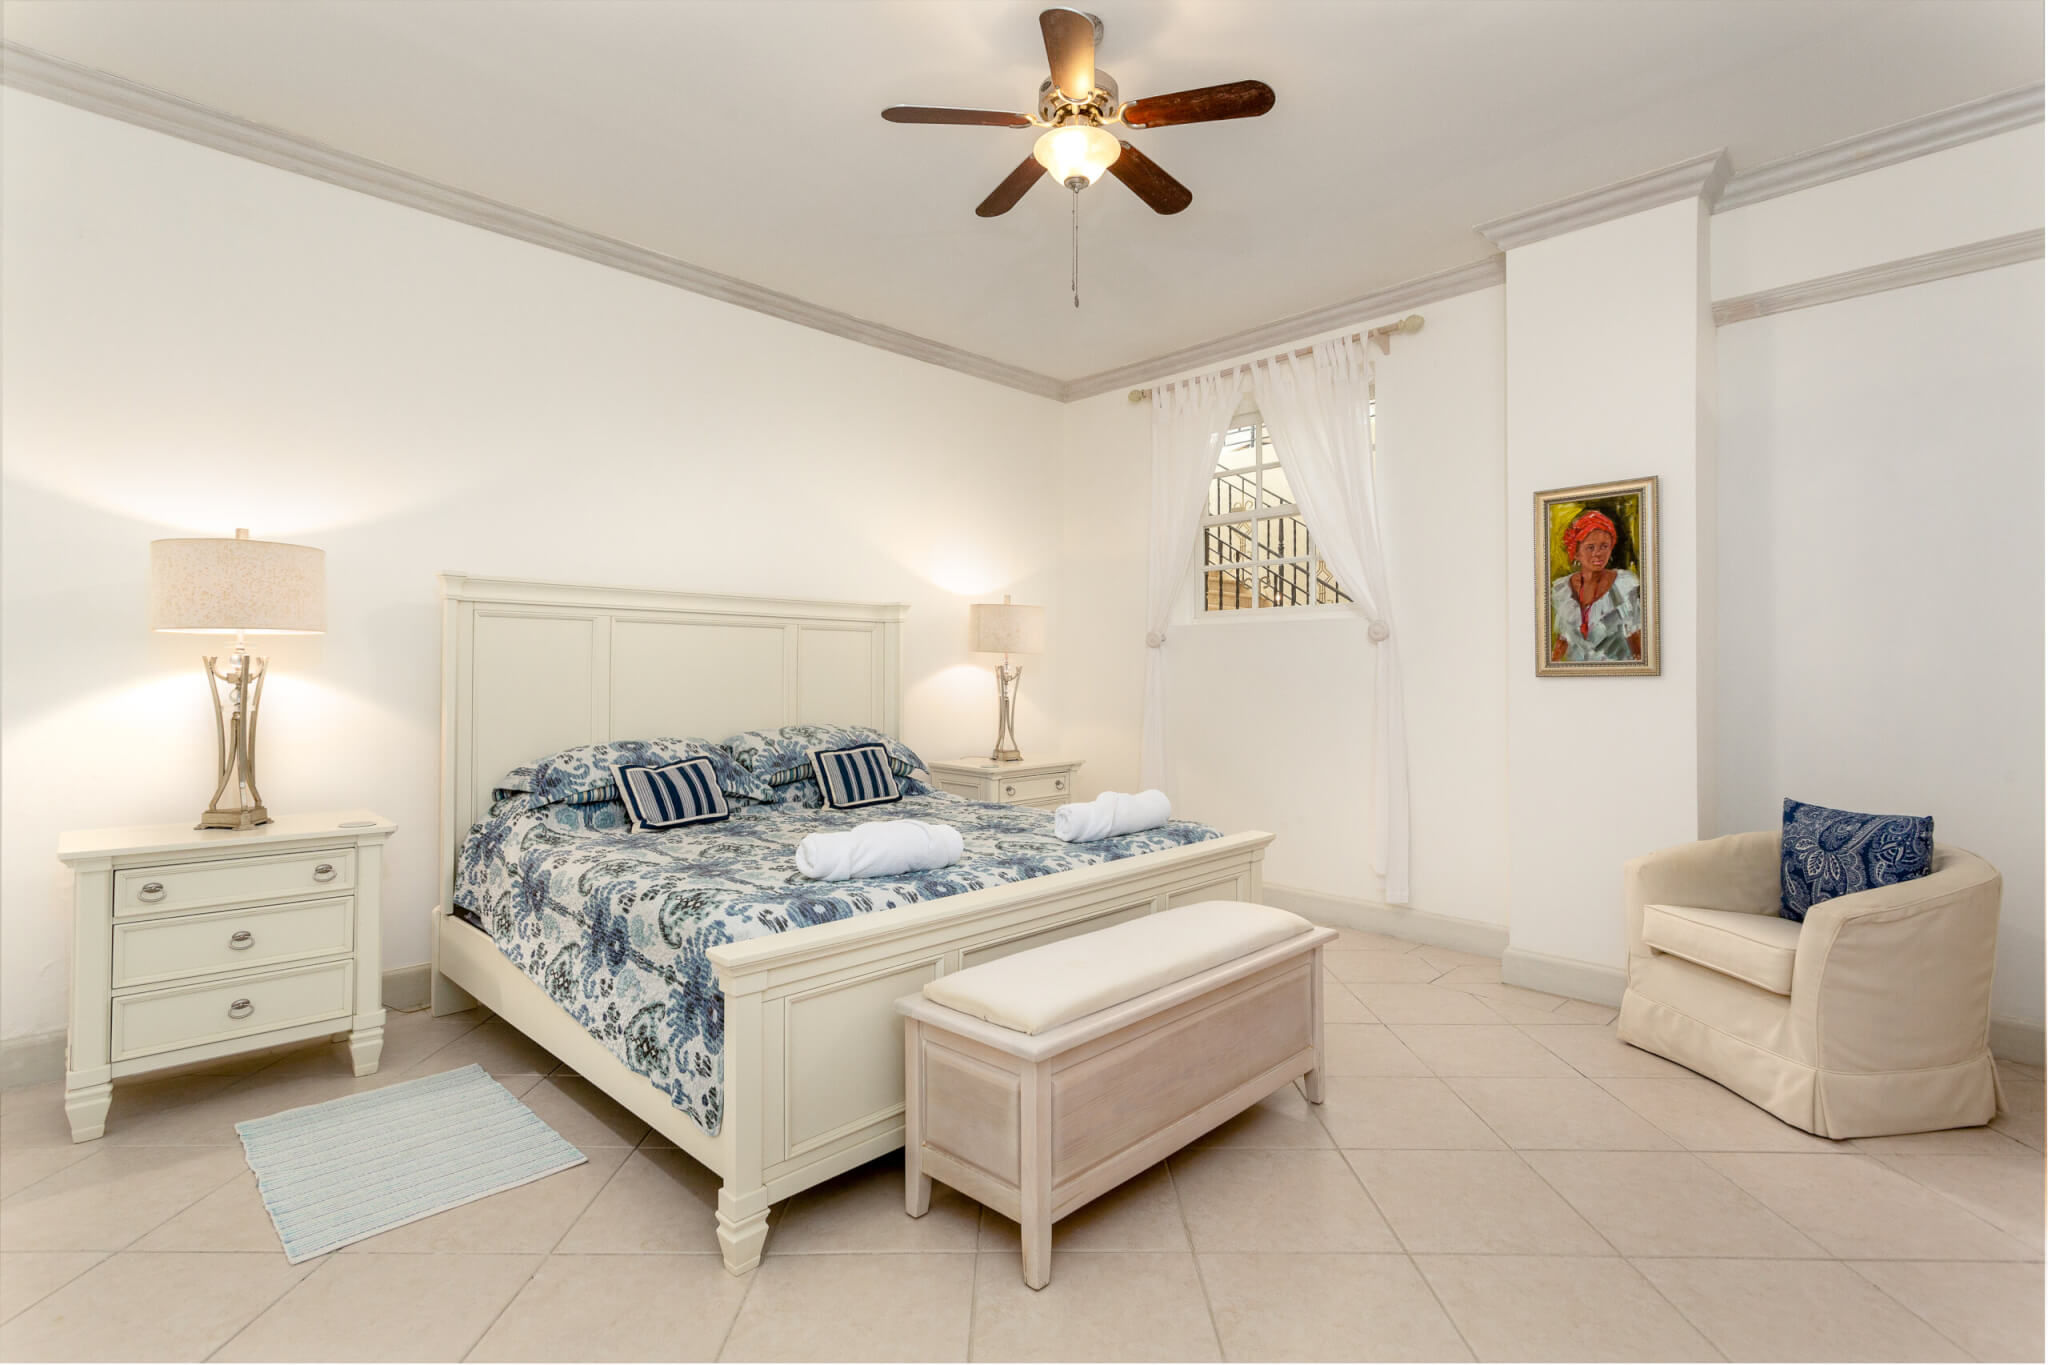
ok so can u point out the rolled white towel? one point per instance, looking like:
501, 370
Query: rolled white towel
880, 848
1110, 814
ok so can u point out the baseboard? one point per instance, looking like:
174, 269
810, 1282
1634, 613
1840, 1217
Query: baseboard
38, 1058
1396, 921
31, 1060
1566, 976
405, 988
2019, 1040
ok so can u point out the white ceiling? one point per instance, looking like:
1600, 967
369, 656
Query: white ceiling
743, 136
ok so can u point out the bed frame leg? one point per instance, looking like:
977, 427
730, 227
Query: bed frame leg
1034, 1193
443, 995
742, 1227
1312, 1081
917, 1186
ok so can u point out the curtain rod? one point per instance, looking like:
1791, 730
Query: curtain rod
1407, 326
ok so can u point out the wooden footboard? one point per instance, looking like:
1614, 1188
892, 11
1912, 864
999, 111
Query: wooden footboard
813, 1044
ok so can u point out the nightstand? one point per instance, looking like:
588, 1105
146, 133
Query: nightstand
1043, 782
188, 945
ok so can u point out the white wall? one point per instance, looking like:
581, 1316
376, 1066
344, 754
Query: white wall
194, 342
1105, 454
1873, 450
1608, 355
1881, 575
1972, 193
1270, 719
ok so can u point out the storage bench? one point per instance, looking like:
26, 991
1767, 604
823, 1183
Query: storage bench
1043, 1080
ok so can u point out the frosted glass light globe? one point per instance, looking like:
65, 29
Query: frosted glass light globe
1078, 149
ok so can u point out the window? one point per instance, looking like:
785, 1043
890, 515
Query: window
1256, 551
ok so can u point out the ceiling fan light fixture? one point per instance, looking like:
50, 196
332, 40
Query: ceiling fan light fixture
1074, 151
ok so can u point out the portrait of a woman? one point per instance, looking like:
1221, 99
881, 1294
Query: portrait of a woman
1597, 609
1596, 586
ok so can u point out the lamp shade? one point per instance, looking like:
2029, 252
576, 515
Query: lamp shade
220, 586
1002, 628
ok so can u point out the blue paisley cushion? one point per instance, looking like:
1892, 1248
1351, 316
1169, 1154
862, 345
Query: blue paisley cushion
1824, 853
518, 782
782, 756
582, 776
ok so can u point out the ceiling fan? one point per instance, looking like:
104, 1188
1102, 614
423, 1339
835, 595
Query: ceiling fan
1076, 107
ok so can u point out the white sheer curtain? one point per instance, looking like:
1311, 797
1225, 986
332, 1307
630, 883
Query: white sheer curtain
1188, 423
1317, 411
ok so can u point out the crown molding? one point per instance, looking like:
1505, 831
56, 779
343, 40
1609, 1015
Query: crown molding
100, 92
1287, 331
1875, 279
1699, 177
1933, 132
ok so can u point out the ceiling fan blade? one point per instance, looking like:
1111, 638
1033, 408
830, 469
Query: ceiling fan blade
1005, 196
1070, 50
1239, 99
1160, 191
987, 118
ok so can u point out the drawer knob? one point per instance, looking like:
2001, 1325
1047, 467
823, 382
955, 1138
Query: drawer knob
152, 891
1059, 784
1009, 791
241, 939
324, 872
241, 1009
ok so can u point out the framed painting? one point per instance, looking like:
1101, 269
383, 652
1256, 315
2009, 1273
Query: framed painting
1596, 580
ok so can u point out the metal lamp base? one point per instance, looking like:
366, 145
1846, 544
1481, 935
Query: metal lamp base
237, 696
1006, 713
239, 817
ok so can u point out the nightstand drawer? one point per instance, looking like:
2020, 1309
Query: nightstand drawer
152, 950
1037, 789
186, 1016
232, 881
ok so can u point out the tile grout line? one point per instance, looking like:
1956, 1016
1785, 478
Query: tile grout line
325, 1260
1944, 1195
973, 1289
1857, 1271
104, 1257
1195, 1255
53, 1174
1647, 1281
545, 1256
1399, 1240
753, 1275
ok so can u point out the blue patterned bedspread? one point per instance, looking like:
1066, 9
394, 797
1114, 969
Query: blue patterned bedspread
616, 926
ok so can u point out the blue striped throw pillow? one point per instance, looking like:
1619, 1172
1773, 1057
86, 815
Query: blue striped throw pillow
856, 776
684, 793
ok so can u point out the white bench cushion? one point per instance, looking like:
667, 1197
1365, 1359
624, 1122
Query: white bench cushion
1042, 988
1755, 948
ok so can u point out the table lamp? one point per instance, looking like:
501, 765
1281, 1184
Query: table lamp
236, 587
1005, 629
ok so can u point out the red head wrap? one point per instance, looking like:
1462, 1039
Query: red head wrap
1583, 525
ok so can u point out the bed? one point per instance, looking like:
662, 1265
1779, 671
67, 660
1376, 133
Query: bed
804, 1078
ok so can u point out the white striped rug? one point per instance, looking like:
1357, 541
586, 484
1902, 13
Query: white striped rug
338, 1172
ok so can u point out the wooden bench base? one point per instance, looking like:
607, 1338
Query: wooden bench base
1035, 1126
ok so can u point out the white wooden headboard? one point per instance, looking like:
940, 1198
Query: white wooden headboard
529, 668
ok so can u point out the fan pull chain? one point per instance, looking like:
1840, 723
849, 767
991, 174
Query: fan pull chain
1075, 280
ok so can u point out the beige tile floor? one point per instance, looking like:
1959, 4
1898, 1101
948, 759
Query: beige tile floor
1493, 1176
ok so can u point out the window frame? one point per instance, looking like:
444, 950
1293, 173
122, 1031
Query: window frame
1264, 456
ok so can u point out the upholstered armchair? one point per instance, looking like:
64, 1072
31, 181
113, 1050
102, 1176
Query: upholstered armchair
1871, 1017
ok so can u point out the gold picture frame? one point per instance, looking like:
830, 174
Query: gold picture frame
1597, 581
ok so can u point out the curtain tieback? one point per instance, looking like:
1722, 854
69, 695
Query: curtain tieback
1377, 631
1155, 639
